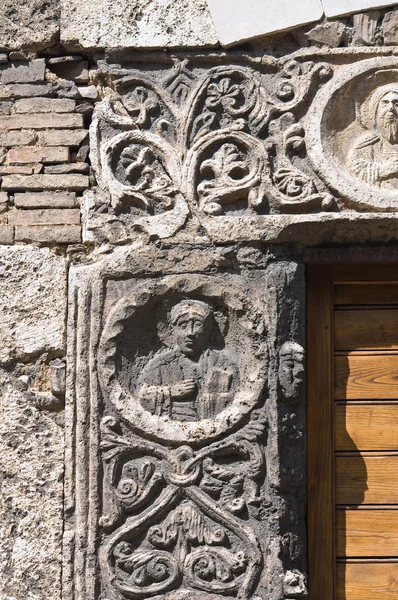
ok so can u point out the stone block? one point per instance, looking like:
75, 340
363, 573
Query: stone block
137, 23
25, 90
56, 60
45, 200
49, 234
3, 58
63, 137
41, 121
75, 71
390, 28
6, 234
46, 154
5, 107
365, 26
45, 182
31, 510
29, 25
19, 169
56, 216
24, 72
8, 139
236, 21
31, 279
336, 8
78, 167
44, 105
89, 92
3, 197
329, 34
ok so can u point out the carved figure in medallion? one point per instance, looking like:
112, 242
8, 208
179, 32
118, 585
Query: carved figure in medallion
374, 157
190, 381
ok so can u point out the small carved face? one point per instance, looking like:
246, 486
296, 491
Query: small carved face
291, 370
191, 332
388, 106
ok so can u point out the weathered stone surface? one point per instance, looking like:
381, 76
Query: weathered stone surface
77, 167
162, 23
237, 21
329, 34
41, 121
72, 70
46, 182
20, 169
365, 27
31, 498
90, 92
45, 200
44, 105
62, 137
48, 234
28, 154
62, 216
390, 28
30, 279
16, 138
6, 234
24, 90
21, 72
34, 25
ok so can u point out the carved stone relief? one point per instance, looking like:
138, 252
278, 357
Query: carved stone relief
353, 134
174, 482
221, 141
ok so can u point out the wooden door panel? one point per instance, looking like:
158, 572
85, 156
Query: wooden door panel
367, 581
366, 293
367, 533
353, 432
366, 427
366, 377
366, 479
365, 329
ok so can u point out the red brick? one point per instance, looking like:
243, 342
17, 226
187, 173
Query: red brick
46, 154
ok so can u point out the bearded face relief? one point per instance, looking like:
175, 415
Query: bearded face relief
190, 381
291, 371
374, 157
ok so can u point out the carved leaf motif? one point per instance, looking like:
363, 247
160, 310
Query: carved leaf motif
227, 98
147, 176
215, 570
145, 572
139, 478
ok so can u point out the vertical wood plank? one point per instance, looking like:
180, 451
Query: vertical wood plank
320, 433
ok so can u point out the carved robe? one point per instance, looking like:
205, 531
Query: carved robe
370, 152
216, 379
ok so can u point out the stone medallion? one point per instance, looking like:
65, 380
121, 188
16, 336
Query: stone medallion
204, 339
352, 134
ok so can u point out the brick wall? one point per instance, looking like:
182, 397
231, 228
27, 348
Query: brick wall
45, 108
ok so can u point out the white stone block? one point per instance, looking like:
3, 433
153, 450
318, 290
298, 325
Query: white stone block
335, 8
238, 20
136, 24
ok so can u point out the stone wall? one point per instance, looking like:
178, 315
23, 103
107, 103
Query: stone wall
152, 182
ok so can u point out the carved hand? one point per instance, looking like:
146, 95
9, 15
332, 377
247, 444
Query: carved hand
181, 390
389, 169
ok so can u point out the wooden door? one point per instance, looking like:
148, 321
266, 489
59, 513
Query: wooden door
353, 432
